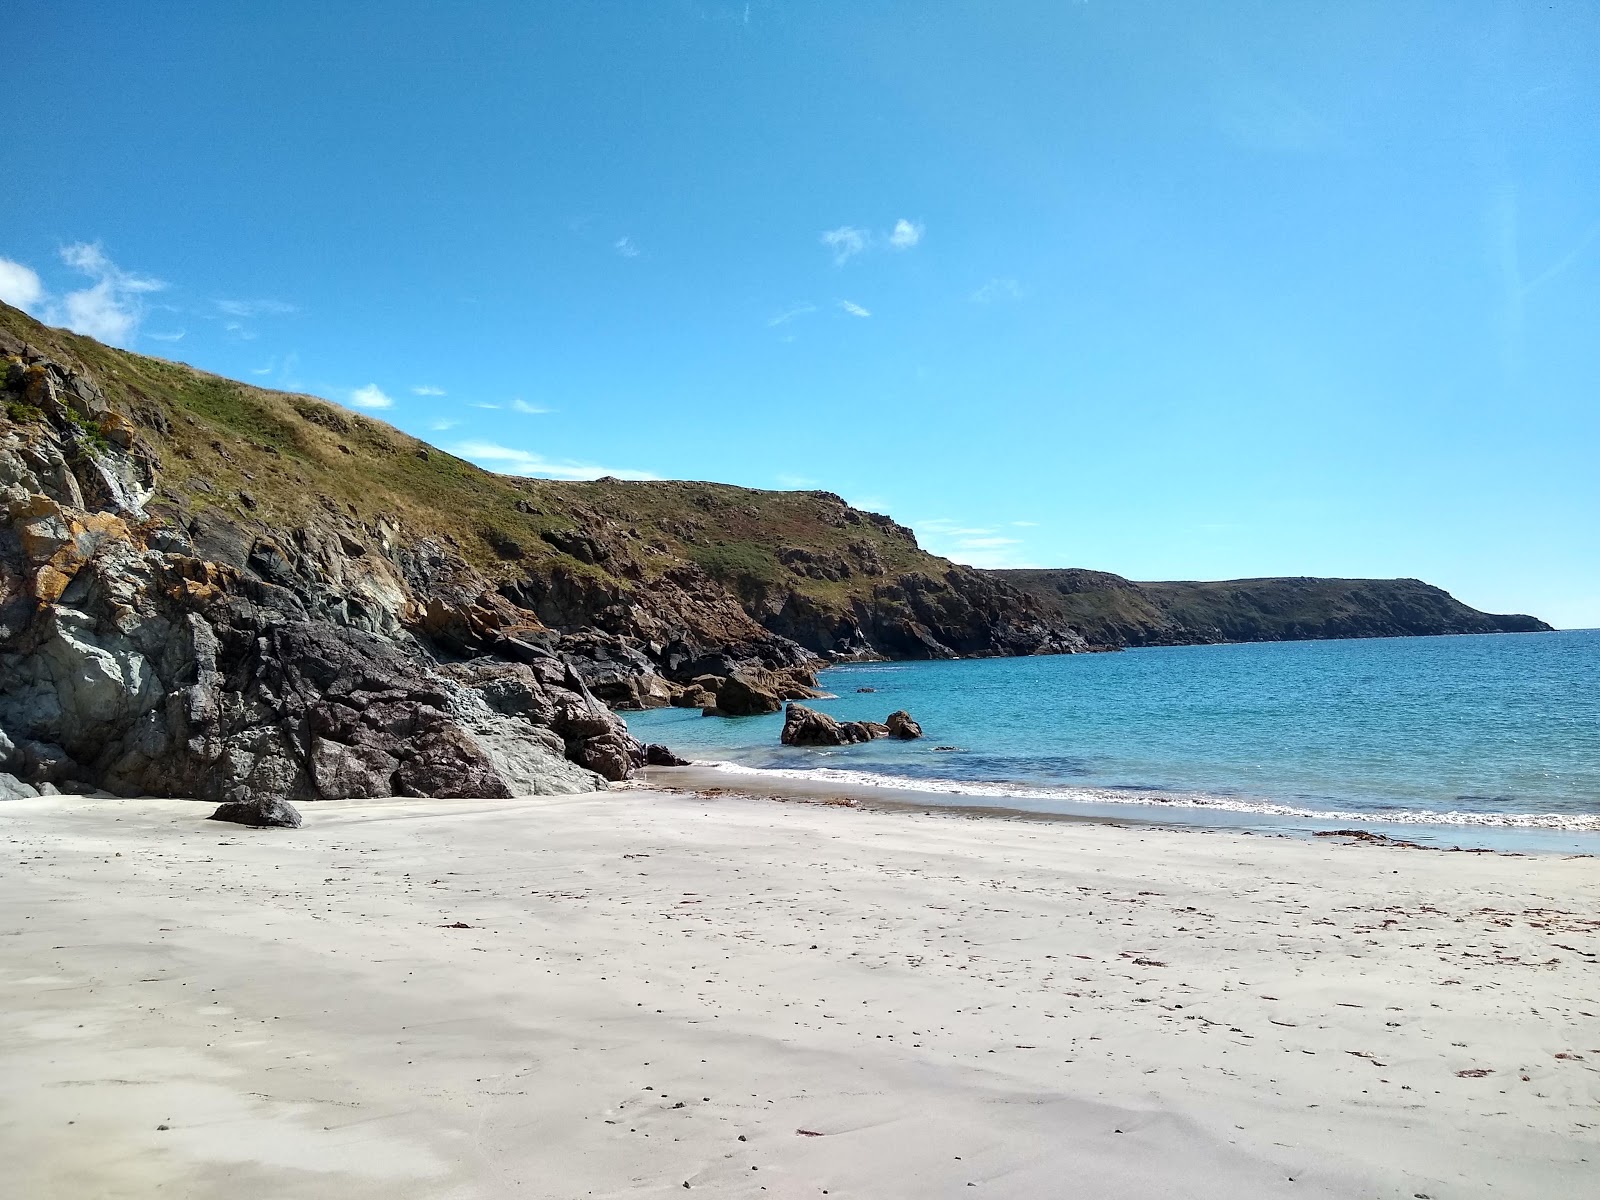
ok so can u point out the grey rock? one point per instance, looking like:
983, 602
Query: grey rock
264, 812
12, 788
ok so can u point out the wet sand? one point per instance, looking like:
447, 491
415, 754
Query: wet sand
624, 994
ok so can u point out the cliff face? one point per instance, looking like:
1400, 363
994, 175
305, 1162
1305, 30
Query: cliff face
1112, 611
210, 589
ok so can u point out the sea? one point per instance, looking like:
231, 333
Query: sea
1484, 741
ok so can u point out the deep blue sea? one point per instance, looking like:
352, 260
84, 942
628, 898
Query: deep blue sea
1434, 734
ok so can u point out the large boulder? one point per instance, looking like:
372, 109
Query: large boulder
901, 725
748, 693
265, 812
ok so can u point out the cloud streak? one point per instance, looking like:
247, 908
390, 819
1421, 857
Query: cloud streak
794, 310
854, 309
996, 290
512, 461
974, 545
254, 308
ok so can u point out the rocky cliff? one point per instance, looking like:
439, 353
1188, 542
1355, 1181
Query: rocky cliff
1112, 611
211, 589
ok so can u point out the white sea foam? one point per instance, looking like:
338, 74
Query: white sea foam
1565, 822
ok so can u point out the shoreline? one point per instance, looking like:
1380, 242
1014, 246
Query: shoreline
627, 992
889, 794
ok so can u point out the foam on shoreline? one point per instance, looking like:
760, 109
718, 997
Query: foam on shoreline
1083, 800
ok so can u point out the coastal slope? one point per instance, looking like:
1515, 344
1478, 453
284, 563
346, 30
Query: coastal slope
1112, 611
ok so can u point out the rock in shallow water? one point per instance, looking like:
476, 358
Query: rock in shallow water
804, 726
901, 725
269, 812
657, 755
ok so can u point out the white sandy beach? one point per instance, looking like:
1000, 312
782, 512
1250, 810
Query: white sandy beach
637, 992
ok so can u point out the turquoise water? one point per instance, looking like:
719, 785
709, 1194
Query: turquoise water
1496, 731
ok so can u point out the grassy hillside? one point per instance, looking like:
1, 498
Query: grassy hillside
804, 564
1110, 610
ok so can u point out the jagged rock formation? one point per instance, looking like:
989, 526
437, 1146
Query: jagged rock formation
1112, 611
145, 653
804, 726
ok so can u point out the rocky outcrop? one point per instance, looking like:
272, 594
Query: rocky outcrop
804, 726
901, 725
146, 652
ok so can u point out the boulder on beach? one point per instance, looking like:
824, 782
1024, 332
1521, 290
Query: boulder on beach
263, 812
901, 725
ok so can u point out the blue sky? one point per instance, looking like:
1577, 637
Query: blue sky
1173, 290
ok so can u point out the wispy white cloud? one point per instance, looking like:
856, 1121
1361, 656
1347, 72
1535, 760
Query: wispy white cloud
239, 331
266, 370
854, 309
175, 336
625, 246
254, 308
442, 425
522, 406
513, 461
975, 545
370, 396
799, 309
423, 389
797, 481
111, 308
483, 404
845, 242
997, 289
1025, 524
905, 234
20, 285
988, 543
